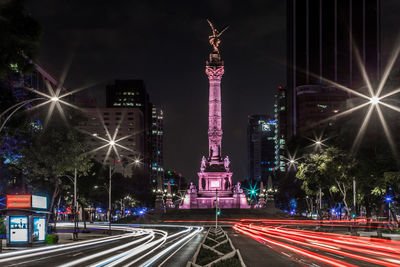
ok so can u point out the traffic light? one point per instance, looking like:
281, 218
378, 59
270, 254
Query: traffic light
218, 211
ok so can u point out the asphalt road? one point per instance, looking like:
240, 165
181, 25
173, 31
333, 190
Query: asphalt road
255, 254
142, 246
184, 254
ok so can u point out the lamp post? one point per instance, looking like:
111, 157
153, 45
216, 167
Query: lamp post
320, 203
112, 144
15, 108
354, 198
388, 200
54, 98
216, 209
109, 201
75, 204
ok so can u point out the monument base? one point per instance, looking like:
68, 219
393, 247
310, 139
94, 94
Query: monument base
206, 199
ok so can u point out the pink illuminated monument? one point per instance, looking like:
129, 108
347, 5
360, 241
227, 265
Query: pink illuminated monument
215, 179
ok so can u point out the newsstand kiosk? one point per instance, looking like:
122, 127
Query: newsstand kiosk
26, 222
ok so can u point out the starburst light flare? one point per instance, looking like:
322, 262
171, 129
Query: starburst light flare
112, 142
252, 191
375, 99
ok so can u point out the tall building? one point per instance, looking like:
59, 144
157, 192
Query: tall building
128, 93
280, 130
325, 40
104, 123
157, 141
133, 94
261, 151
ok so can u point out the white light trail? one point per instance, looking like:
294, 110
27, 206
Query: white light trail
147, 238
58, 248
168, 249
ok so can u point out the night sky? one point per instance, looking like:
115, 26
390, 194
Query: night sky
165, 43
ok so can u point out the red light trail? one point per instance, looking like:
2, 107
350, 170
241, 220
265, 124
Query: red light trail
320, 246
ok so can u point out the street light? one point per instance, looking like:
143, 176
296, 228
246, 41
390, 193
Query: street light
15, 108
374, 100
112, 144
388, 199
74, 181
54, 98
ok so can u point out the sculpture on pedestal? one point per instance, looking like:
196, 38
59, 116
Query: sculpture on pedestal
214, 174
192, 188
226, 163
214, 38
238, 189
203, 164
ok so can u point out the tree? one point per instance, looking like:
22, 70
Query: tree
340, 168
51, 154
312, 171
19, 38
331, 170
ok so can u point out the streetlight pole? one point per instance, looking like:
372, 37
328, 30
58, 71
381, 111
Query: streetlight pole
75, 206
354, 197
109, 201
320, 203
216, 208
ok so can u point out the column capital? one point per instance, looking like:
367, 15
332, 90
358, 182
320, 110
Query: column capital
215, 72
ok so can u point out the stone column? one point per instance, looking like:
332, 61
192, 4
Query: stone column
214, 71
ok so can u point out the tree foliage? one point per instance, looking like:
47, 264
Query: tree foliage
332, 171
52, 153
312, 171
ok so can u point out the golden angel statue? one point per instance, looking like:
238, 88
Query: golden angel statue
214, 38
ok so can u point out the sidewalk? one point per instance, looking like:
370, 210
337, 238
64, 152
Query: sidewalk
65, 238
